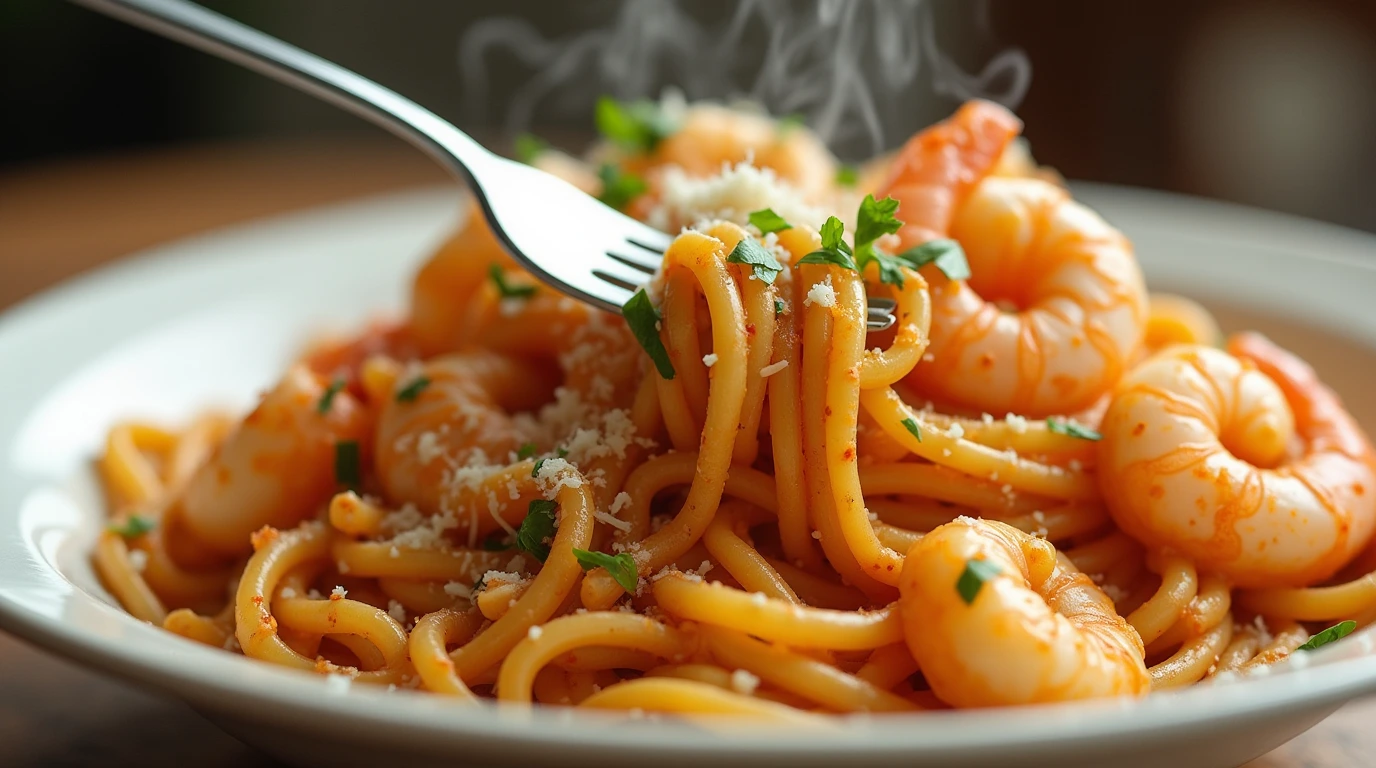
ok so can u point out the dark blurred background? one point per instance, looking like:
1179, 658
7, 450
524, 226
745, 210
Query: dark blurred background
1264, 102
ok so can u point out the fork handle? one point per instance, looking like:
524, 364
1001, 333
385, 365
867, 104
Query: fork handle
221, 36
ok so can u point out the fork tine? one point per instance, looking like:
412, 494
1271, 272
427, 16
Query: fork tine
875, 324
619, 278
646, 268
637, 259
647, 244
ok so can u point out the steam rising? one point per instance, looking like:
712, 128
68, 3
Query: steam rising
851, 68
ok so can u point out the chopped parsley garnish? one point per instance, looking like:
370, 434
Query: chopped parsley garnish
636, 126
134, 526
507, 290
621, 566
1335, 632
412, 390
537, 529
642, 317
348, 469
747, 251
529, 146
834, 250
847, 176
766, 220
619, 187
911, 426
875, 219
778, 307
947, 255
972, 579
496, 544
327, 398
562, 453
1072, 429
535, 470
525, 451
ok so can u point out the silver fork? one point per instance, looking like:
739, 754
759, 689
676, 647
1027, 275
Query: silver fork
568, 240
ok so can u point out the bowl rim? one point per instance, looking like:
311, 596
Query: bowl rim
29, 578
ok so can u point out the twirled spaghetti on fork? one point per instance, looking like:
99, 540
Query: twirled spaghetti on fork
1041, 484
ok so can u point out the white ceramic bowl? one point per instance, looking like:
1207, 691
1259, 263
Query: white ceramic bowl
214, 319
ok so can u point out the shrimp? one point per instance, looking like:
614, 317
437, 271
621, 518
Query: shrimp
1244, 462
1056, 306
1037, 631
459, 421
276, 469
711, 136
444, 287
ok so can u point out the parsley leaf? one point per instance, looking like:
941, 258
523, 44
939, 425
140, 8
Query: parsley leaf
834, 250
829, 257
876, 219
1072, 429
911, 426
507, 290
537, 528
528, 147
327, 398
619, 188
890, 268
1335, 632
134, 526
562, 453
636, 126
525, 451
778, 307
947, 255
747, 251
621, 567
847, 176
766, 220
973, 577
347, 463
535, 470
642, 317
496, 544
412, 390
831, 232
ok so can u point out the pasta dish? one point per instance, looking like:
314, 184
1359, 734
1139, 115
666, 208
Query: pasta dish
1038, 483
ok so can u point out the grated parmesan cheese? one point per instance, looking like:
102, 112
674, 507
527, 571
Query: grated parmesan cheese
709, 360
744, 682
458, 589
956, 431
534, 632
397, 611
1016, 422
822, 294
338, 593
730, 195
773, 368
138, 560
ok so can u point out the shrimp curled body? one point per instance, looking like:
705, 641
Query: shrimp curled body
1243, 462
1056, 305
1039, 631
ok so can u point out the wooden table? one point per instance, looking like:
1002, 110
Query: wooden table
61, 219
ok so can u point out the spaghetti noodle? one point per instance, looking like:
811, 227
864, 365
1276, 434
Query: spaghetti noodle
736, 500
